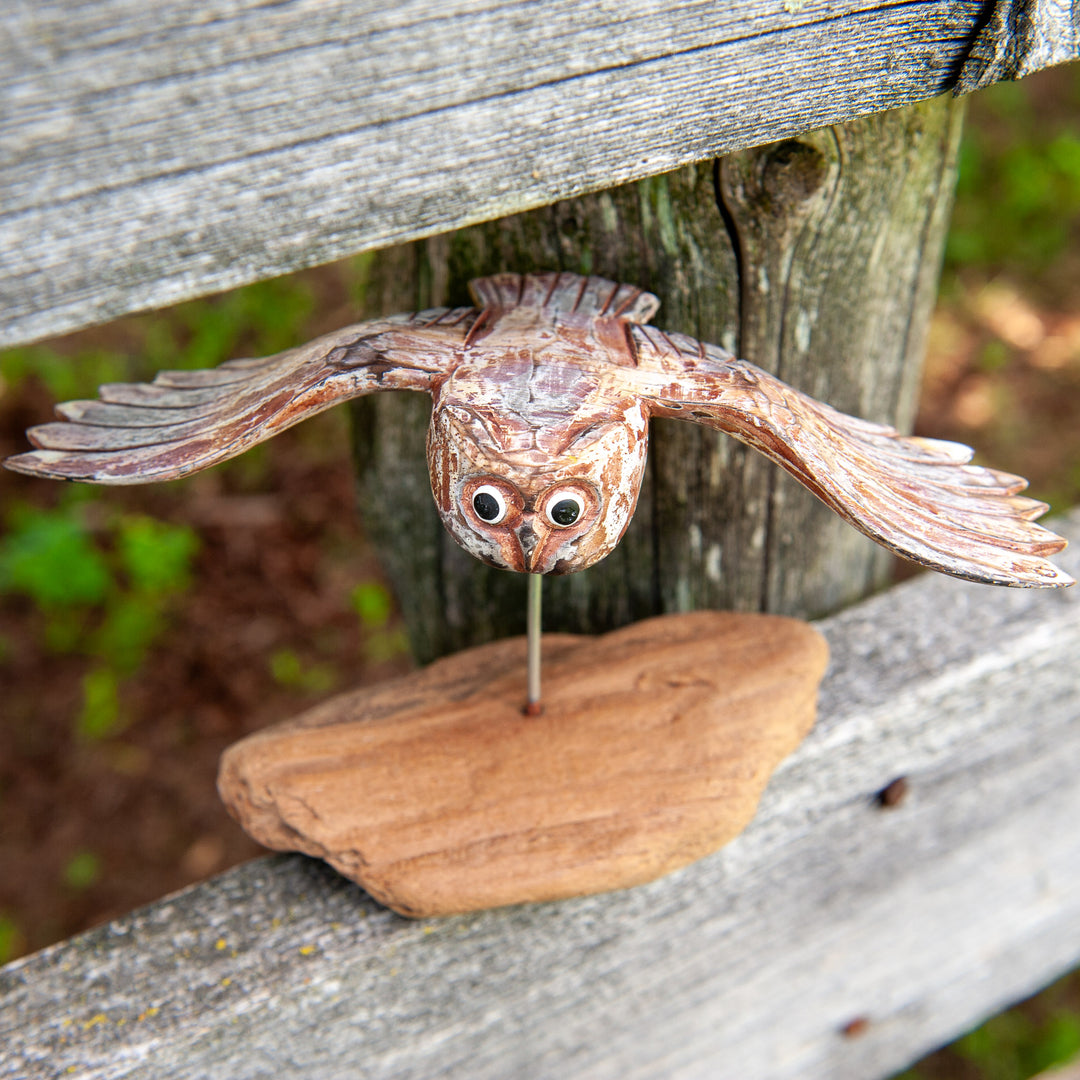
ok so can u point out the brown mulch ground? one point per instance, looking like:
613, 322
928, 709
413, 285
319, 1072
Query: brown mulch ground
273, 574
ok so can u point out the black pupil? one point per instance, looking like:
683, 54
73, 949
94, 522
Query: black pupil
565, 511
486, 505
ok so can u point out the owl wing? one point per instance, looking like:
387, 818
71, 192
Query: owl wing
918, 497
185, 421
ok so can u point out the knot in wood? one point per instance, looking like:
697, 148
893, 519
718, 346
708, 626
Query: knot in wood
791, 172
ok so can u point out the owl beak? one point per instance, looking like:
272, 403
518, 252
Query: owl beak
528, 540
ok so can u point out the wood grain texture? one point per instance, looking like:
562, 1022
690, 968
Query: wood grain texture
149, 156
1020, 37
437, 795
923, 917
840, 239
825, 271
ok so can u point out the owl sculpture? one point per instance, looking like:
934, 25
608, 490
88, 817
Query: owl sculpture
542, 396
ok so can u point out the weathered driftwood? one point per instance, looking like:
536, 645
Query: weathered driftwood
438, 795
816, 259
152, 154
920, 917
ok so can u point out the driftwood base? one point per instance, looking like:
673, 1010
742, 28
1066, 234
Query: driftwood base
437, 795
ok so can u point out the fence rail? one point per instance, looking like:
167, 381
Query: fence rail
148, 155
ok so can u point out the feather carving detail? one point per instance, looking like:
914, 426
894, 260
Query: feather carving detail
542, 394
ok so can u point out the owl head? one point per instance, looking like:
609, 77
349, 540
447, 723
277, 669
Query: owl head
539, 500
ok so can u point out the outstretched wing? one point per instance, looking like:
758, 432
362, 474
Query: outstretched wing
185, 421
918, 497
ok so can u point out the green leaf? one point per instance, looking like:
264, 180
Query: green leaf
100, 716
49, 557
156, 556
82, 870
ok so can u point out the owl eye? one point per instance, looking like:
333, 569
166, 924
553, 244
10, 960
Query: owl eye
564, 508
489, 504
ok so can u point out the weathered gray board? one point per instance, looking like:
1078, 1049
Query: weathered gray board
153, 152
921, 918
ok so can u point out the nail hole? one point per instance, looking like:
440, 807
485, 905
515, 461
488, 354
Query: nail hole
894, 793
855, 1027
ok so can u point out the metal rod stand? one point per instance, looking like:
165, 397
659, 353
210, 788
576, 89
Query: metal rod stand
532, 625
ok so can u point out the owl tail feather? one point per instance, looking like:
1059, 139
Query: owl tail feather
566, 294
921, 498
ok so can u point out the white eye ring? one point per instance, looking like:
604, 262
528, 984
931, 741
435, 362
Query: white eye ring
489, 504
565, 508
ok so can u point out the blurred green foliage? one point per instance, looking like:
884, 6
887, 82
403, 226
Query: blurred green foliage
65, 380
1013, 1045
1018, 192
258, 319
82, 870
10, 939
290, 671
374, 606
263, 318
103, 592
49, 556
1020, 1043
100, 715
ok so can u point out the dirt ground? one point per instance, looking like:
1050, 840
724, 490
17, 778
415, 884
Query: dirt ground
95, 826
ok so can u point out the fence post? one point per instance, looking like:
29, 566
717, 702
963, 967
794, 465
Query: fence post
816, 258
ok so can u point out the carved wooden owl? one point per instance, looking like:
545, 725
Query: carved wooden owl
542, 396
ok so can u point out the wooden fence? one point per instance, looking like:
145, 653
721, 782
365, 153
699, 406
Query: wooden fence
153, 153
